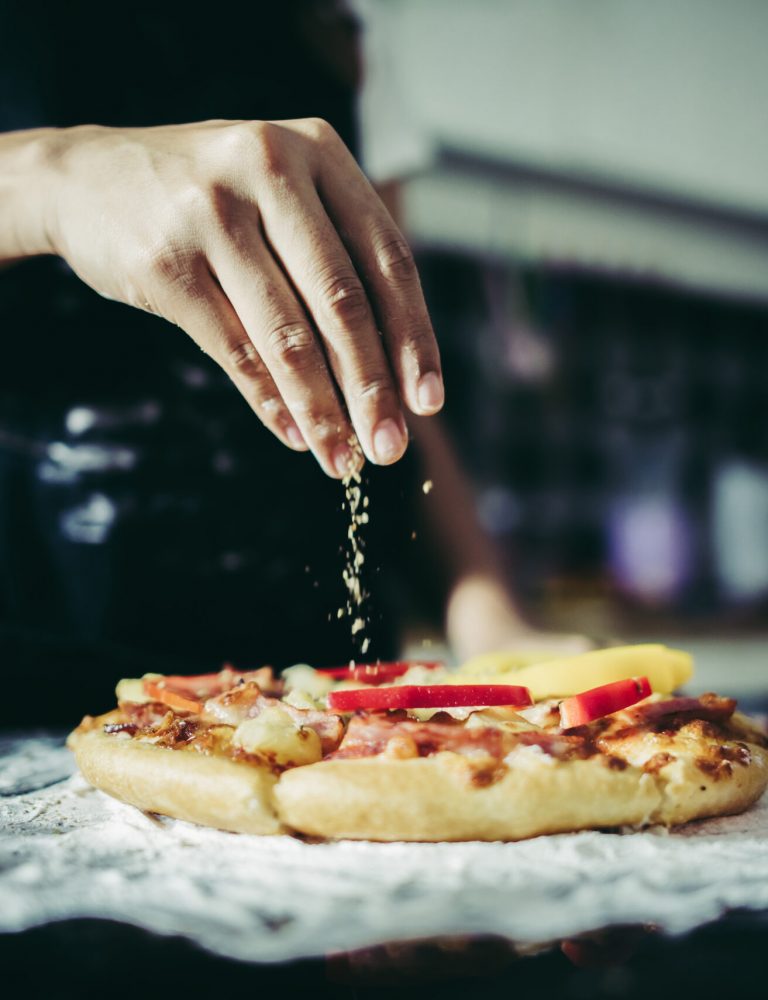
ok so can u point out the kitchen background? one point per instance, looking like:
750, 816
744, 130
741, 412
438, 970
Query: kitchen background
586, 185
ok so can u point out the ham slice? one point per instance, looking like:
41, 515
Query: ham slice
369, 734
711, 707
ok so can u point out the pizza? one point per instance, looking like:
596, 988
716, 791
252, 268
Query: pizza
498, 749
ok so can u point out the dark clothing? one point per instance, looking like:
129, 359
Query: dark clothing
146, 516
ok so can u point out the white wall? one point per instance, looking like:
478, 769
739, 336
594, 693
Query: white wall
667, 95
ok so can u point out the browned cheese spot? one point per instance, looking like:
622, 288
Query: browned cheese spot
659, 760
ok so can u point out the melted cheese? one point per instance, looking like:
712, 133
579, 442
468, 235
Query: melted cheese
275, 734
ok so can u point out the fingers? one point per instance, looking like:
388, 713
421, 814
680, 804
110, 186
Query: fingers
328, 284
283, 337
385, 263
208, 317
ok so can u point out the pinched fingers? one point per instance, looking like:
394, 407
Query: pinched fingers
313, 254
284, 339
385, 262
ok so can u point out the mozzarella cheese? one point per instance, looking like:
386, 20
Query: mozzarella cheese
274, 734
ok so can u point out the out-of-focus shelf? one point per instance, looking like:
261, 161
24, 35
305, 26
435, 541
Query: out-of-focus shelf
513, 211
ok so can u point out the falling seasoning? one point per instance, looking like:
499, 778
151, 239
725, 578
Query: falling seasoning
354, 556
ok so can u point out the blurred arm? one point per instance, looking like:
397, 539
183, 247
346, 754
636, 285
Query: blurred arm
481, 614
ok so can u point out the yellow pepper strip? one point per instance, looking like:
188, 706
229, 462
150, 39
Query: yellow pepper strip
666, 669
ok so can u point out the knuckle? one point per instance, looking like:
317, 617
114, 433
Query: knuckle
319, 130
293, 346
373, 386
345, 299
266, 402
191, 200
244, 358
419, 343
395, 258
327, 427
258, 143
267, 147
167, 266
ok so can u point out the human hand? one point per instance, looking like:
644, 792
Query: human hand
268, 246
481, 618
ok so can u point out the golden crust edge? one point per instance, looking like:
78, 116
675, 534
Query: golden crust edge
690, 794
434, 799
211, 791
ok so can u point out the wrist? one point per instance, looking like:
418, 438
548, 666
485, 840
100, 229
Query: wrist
28, 186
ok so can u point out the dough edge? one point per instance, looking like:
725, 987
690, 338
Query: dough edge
434, 798
211, 791
431, 799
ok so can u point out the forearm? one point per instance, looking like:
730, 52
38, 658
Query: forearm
27, 173
481, 614
478, 599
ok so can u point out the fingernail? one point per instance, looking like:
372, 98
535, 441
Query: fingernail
430, 392
295, 438
388, 441
343, 460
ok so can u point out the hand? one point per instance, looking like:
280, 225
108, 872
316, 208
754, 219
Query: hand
481, 617
265, 242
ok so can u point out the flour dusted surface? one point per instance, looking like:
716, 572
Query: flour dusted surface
69, 851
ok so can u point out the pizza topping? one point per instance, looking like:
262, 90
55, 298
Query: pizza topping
276, 735
305, 679
132, 689
369, 735
377, 673
666, 669
708, 706
179, 701
603, 700
524, 755
401, 746
497, 717
544, 714
247, 702
302, 699
120, 727
428, 696
187, 693
146, 714
659, 760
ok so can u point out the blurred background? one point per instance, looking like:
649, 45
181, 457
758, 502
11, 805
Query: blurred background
586, 186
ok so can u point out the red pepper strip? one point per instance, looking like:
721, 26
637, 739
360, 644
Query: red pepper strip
597, 702
429, 696
376, 673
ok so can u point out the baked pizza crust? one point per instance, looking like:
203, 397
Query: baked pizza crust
688, 793
439, 798
212, 791
435, 798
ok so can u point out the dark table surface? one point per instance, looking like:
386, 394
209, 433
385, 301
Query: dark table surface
99, 958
